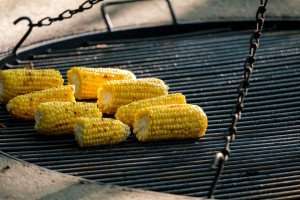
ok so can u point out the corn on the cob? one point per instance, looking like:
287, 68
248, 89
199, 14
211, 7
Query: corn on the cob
117, 93
24, 106
154, 80
177, 121
96, 131
88, 80
127, 112
14, 82
55, 118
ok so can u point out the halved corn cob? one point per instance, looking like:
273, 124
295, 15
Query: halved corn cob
24, 106
96, 131
14, 82
114, 94
177, 121
127, 112
88, 80
56, 118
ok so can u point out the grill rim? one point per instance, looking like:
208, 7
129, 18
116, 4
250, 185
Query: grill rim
131, 32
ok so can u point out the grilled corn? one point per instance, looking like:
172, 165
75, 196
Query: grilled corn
177, 121
117, 93
127, 112
56, 118
14, 82
24, 106
96, 131
88, 80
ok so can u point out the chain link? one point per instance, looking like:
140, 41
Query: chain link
222, 156
47, 21
67, 14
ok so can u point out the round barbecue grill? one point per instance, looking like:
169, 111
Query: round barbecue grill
204, 62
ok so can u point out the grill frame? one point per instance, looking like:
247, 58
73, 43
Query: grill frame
166, 30
129, 32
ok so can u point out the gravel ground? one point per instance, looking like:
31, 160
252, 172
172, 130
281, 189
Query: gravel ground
134, 14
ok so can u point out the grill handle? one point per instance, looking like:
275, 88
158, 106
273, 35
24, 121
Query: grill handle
107, 19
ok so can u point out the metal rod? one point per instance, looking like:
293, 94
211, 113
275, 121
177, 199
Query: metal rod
107, 19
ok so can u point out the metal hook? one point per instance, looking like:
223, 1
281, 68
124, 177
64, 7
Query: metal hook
12, 57
27, 33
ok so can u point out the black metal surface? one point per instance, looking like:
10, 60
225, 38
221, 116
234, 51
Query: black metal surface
206, 66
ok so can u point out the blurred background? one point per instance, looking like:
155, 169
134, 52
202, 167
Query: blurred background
147, 12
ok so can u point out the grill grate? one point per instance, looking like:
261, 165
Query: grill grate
206, 66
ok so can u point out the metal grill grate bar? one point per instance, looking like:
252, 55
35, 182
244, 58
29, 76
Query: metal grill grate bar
135, 58
206, 66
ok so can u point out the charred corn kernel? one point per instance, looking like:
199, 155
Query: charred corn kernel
96, 131
88, 80
24, 106
127, 112
14, 82
56, 118
117, 93
177, 121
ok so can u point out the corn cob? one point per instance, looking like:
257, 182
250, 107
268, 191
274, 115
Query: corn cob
56, 118
14, 82
88, 80
155, 80
24, 106
127, 112
96, 131
117, 93
177, 121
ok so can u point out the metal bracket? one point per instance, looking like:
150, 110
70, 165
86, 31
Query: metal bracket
108, 22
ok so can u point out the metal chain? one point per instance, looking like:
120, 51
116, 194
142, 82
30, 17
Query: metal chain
67, 14
47, 21
223, 155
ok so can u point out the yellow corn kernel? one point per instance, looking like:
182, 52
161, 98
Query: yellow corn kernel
127, 112
96, 131
88, 80
155, 80
117, 93
177, 121
24, 106
14, 82
56, 118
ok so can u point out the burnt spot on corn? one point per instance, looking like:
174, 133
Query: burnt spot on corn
4, 169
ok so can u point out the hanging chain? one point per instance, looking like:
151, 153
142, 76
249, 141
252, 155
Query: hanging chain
223, 155
67, 14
